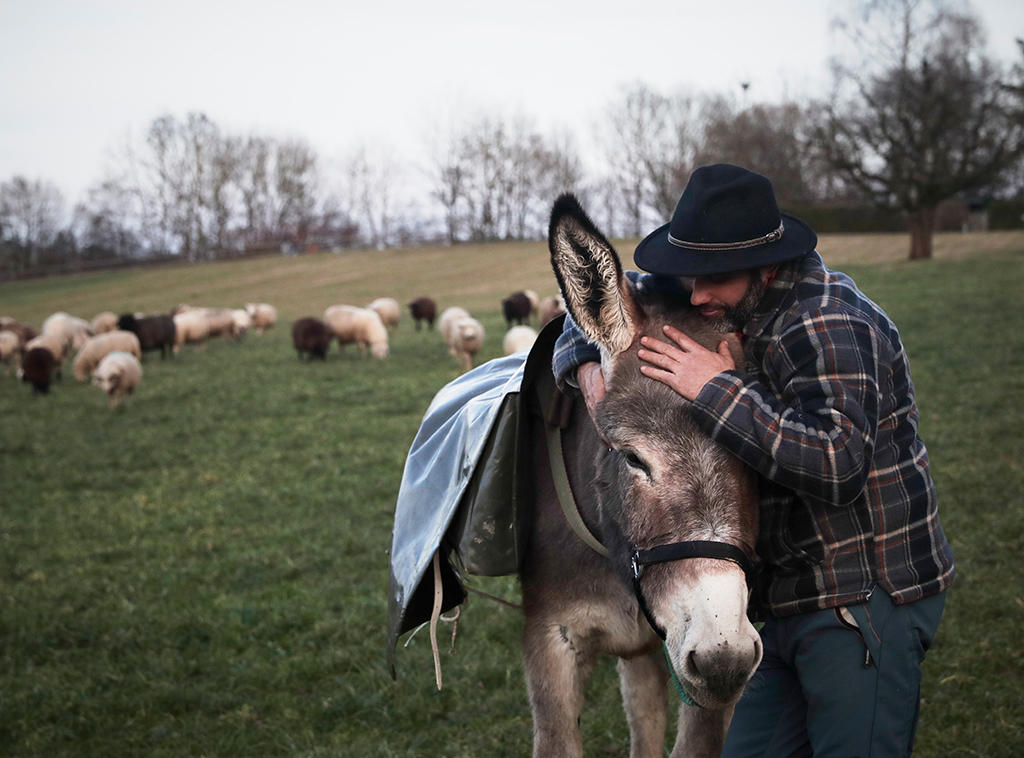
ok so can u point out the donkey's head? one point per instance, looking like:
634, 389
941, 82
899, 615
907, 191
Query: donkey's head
662, 480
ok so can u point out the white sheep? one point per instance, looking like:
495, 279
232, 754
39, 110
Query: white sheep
65, 325
518, 338
263, 316
10, 352
534, 301
96, 348
448, 317
466, 337
190, 326
118, 374
359, 325
388, 310
104, 322
243, 321
551, 308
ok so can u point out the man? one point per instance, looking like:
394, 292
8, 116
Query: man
854, 562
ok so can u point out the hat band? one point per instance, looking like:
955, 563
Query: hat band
772, 236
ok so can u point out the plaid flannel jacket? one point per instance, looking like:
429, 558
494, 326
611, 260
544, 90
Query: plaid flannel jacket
824, 412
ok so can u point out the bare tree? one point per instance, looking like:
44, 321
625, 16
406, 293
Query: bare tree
31, 216
922, 114
650, 146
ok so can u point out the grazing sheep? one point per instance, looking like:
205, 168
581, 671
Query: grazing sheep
25, 332
10, 349
59, 346
154, 332
65, 325
388, 310
466, 337
104, 322
359, 325
423, 309
516, 307
551, 308
243, 321
448, 317
534, 301
190, 326
118, 374
311, 337
221, 321
263, 316
518, 338
94, 350
37, 367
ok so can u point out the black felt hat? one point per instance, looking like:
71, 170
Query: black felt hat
726, 220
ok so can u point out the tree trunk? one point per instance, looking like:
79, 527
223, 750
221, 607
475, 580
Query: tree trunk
921, 224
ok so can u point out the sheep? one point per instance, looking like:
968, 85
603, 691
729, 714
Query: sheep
534, 301
312, 337
221, 321
37, 367
59, 346
516, 307
65, 325
154, 332
190, 326
118, 374
25, 332
104, 322
551, 308
518, 338
263, 316
448, 317
359, 325
388, 310
97, 347
243, 321
10, 349
423, 309
466, 336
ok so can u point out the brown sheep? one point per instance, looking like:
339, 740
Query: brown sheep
311, 337
423, 309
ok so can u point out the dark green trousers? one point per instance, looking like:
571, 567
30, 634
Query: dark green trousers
830, 688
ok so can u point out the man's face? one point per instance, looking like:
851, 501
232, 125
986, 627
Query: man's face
728, 300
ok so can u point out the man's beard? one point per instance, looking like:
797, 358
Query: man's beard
736, 317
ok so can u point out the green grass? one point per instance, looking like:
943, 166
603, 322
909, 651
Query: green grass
203, 572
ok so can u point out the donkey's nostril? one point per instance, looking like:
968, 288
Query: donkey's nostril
692, 668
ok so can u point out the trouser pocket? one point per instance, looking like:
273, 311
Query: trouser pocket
846, 619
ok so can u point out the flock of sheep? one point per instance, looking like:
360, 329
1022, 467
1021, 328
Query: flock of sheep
108, 350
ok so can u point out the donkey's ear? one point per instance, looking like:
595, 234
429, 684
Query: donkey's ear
590, 277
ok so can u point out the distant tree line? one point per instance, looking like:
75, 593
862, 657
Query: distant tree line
918, 116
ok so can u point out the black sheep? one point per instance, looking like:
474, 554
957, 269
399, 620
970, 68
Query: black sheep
423, 309
37, 367
312, 337
516, 307
154, 332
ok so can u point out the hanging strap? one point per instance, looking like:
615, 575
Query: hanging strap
560, 477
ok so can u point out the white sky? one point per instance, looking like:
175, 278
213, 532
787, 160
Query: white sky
78, 77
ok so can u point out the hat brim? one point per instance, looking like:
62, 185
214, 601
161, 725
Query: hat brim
656, 255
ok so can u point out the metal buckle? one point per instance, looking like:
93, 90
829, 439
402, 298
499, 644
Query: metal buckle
638, 568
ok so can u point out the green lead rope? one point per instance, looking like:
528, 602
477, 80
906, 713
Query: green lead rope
675, 679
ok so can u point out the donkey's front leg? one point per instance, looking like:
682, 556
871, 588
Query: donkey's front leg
643, 680
556, 669
701, 732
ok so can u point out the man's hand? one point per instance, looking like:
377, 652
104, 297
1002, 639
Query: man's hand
591, 383
685, 366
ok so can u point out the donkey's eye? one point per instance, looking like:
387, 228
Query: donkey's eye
634, 461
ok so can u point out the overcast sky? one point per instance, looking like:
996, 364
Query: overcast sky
79, 77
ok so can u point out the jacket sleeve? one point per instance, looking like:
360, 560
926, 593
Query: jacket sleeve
813, 431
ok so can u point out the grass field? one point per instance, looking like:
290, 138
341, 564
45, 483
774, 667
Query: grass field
203, 572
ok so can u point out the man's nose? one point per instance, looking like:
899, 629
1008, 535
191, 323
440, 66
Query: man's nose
699, 295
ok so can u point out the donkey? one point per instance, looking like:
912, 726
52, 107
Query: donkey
643, 478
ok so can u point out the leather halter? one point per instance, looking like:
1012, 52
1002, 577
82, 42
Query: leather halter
677, 551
